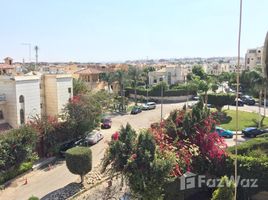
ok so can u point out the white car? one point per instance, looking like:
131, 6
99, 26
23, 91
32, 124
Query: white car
93, 137
149, 106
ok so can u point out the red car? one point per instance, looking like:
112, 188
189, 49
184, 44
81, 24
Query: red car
106, 123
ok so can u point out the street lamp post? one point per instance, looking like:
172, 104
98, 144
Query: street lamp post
162, 94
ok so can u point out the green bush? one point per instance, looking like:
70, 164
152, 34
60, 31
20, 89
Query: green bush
226, 192
33, 198
260, 143
220, 100
12, 173
16, 146
79, 160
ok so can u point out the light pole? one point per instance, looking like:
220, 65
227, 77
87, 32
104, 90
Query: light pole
162, 94
30, 49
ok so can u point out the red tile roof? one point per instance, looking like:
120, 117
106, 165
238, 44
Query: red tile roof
89, 71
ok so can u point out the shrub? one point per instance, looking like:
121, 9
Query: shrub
12, 173
16, 146
79, 160
33, 198
226, 191
220, 100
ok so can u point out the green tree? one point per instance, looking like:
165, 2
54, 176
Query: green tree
121, 78
204, 87
199, 71
79, 87
109, 78
220, 100
226, 191
120, 150
83, 113
214, 87
79, 161
134, 75
147, 170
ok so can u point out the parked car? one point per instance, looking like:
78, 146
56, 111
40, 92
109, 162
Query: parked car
149, 106
67, 145
253, 131
92, 137
248, 100
196, 98
224, 133
240, 102
135, 110
106, 123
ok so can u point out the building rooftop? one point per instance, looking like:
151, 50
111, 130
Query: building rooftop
89, 71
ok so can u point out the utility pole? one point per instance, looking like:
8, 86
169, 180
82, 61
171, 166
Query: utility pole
36, 48
162, 94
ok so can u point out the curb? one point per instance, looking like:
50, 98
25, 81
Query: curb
89, 188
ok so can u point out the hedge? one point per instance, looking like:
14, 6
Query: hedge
249, 166
79, 160
157, 93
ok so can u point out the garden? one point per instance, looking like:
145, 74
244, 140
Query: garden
152, 161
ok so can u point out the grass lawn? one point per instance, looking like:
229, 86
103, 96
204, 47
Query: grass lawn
244, 118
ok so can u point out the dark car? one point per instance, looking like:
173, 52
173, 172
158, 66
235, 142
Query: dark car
240, 102
67, 145
106, 123
253, 131
248, 100
135, 110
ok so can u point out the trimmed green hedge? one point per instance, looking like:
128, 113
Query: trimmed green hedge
252, 162
79, 160
157, 93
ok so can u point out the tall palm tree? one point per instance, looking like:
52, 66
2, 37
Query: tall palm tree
109, 78
259, 84
134, 74
121, 78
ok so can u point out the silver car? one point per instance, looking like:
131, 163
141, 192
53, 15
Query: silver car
93, 137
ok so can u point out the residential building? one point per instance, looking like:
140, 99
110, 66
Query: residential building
253, 58
7, 67
56, 90
26, 96
20, 99
91, 76
171, 74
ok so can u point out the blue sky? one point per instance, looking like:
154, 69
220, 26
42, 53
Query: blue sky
118, 30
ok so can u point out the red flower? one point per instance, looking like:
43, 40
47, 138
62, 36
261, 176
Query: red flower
115, 136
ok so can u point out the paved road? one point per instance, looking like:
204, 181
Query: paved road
41, 182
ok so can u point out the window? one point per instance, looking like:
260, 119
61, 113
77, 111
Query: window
21, 99
70, 90
1, 115
41, 105
22, 117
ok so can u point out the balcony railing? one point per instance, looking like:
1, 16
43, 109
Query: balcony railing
2, 97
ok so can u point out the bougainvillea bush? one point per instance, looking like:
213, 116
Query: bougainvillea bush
185, 141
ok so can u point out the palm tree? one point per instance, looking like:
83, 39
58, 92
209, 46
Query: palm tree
109, 78
259, 84
120, 76
134, 74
